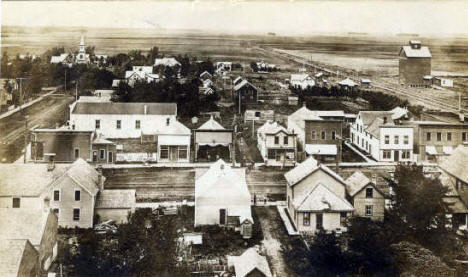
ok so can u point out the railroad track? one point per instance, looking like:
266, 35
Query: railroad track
427, 100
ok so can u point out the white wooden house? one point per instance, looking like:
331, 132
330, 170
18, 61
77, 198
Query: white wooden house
276, 144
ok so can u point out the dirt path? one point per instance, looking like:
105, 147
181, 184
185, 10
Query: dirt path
272, 233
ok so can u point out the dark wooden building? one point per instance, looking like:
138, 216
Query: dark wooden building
247, 93
414, 64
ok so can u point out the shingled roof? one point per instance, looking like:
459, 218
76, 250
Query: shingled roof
125, 108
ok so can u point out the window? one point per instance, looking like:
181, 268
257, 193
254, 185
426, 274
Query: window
313, 135
182, 152
396, 140
369, 192
56, 195
77, 153
110, 157
387, 154
368, 210
387, 139
271, 153
439, 136
343, 214
164, 152
76, 214
276, 140
118, 124
285, 140
367, 145
319, 221
56, 211
306, 219
16, 202
406, 140
405, 154
449, 136
137, 124
428, 136
94, 156
333, 135
324, 135
102, 154
77, 195
97, 124
464, 136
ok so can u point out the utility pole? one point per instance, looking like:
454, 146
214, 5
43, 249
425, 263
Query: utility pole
26, 134
76, 91
21, 96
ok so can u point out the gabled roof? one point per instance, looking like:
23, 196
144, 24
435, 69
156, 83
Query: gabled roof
174, 128
399, 112
348, 82
249, 261
299, 77
11, 254
239, 78
456, 164
357, 182
125, 108
33, 179
205, 73
306, 168
422, 52
211, 124
368, 117
319, 199
303, 114
84, 175
244, 83
271, 128
59, 59
166, 62
100, 139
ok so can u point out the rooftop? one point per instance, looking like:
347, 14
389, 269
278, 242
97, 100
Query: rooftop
247, 262
116, 198
125, 108
11, 255
320, 198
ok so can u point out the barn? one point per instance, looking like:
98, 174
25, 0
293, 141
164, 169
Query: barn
414, 64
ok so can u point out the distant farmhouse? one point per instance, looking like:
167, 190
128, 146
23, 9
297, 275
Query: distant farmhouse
415, 65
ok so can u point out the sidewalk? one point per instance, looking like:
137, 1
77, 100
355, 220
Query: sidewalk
40, 98
287, 223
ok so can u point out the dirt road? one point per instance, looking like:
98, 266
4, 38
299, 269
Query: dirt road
273, 233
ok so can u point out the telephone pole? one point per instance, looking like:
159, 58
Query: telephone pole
26, 134
21, 96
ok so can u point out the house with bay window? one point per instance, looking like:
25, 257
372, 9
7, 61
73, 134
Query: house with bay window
276, 144
316, 198
378, 134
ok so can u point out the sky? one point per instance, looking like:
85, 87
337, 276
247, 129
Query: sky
424, 17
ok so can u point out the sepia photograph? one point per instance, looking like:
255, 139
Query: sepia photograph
234, 138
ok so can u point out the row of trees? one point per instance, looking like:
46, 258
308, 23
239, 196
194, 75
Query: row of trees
414, 226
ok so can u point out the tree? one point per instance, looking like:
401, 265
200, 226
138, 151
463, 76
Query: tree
153, 53
369, 248
254, 66
324, 257
418, 209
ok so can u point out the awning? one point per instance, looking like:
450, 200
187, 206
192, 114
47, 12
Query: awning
213, 144
431, 150
321, 149
447, 150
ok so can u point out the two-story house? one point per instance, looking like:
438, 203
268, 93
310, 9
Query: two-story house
434, 140
67, 145
316, 198
69, 190
375, 133
140, 74
323, 138
276, 144
38, 226
365, 196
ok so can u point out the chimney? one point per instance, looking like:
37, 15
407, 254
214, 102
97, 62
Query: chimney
100, 181
385, 120
145, 109
168, 121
